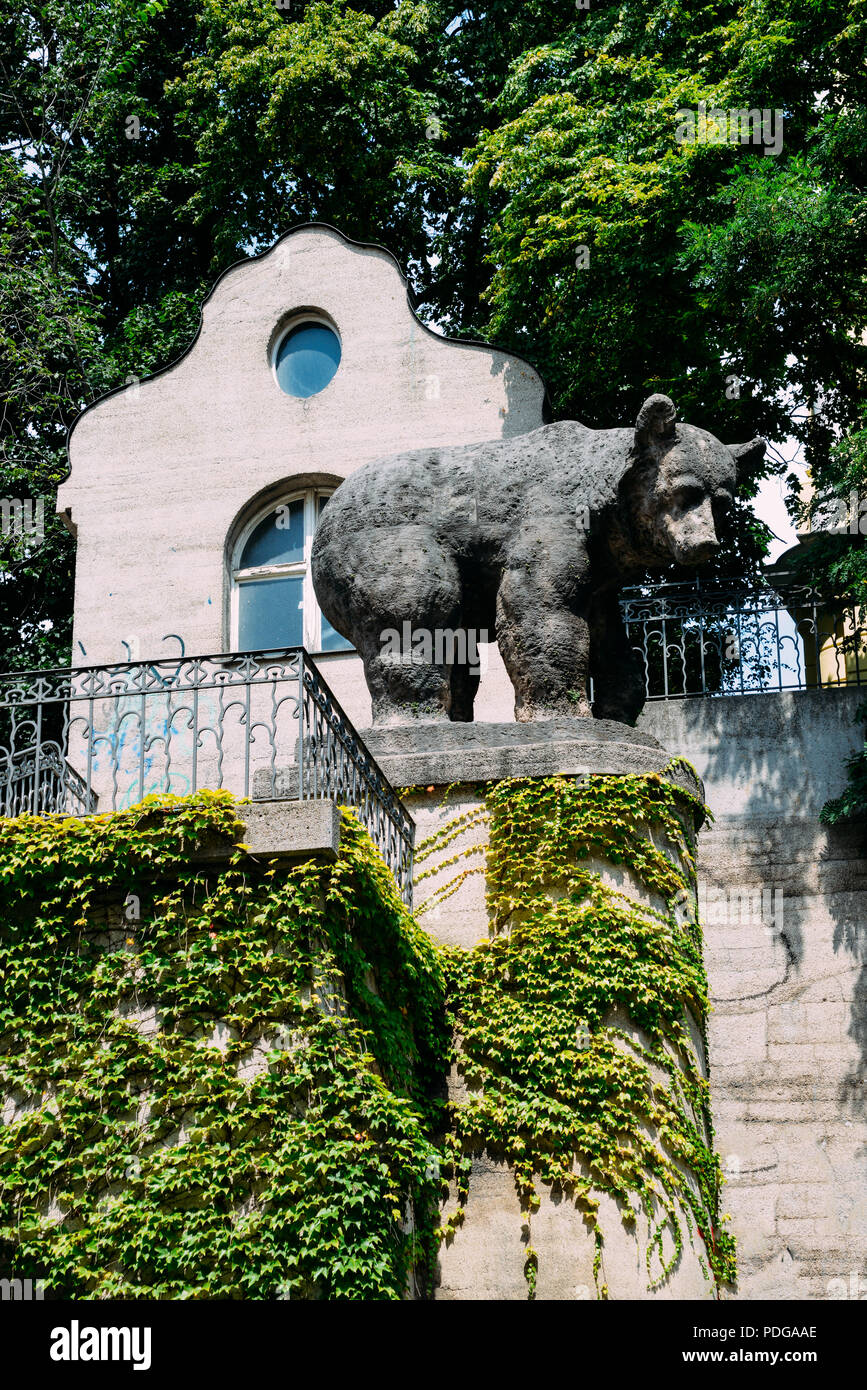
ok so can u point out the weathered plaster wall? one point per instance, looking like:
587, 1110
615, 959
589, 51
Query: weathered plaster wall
788, 1035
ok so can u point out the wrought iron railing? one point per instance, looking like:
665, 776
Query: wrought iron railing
40, 781
261, 723
722, 638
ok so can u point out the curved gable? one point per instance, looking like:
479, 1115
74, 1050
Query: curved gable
160, 470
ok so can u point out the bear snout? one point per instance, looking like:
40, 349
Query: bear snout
701, 551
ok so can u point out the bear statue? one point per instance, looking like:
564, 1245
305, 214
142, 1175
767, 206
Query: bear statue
527, 539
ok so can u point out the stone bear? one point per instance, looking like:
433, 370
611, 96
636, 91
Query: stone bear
527, 539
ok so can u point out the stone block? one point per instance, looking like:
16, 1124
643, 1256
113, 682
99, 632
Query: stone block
442, 753
288, 830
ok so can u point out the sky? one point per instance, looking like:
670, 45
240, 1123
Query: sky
770, 507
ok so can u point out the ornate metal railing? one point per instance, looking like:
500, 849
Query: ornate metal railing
716, 638
40, 781
262, 723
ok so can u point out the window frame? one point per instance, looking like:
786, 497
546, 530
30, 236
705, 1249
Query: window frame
311, 624
301, 319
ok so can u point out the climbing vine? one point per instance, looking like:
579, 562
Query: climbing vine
225, 1091
435, 844
556, 1087
224, 1078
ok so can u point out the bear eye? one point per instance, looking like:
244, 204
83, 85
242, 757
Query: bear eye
690, 497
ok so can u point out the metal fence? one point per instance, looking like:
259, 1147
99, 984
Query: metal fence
715, 638
265, 723
39, 780
103, 737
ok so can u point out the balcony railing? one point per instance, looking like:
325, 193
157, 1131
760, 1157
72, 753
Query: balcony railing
94, 738
103, 737
39, 780
715, 638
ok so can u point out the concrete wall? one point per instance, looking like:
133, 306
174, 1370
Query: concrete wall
763, 755
788, 1035
163, 473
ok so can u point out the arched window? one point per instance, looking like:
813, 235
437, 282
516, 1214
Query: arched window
273, 603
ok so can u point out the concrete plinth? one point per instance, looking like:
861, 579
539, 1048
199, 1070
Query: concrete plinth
443, 753
290, 831
447, 767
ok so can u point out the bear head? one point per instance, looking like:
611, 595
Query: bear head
678, 489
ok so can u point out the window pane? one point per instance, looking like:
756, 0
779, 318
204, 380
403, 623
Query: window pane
269, 613
331, 640
278, 539
307, 359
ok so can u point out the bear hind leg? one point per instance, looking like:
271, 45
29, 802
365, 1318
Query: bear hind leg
545, 648
404, 664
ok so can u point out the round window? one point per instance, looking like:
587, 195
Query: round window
307, 358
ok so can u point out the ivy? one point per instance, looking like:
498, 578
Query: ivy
556, 1088
228, 1098
232, 1089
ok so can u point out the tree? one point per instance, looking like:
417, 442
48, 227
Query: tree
87, 197
521, 159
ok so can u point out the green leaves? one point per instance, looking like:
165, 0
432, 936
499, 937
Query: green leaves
188, 1122
556, 1085
238, 1098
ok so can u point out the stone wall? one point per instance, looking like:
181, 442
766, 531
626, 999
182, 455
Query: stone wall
788, 979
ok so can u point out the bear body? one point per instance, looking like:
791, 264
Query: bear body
527, 539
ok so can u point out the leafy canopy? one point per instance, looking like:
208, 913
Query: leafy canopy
147, 146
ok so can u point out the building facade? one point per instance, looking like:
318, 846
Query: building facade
194, 494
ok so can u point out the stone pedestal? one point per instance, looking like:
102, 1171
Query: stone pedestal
447, 768
501, 1248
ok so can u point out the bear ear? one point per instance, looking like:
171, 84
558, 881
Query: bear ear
655, 421
746, 456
